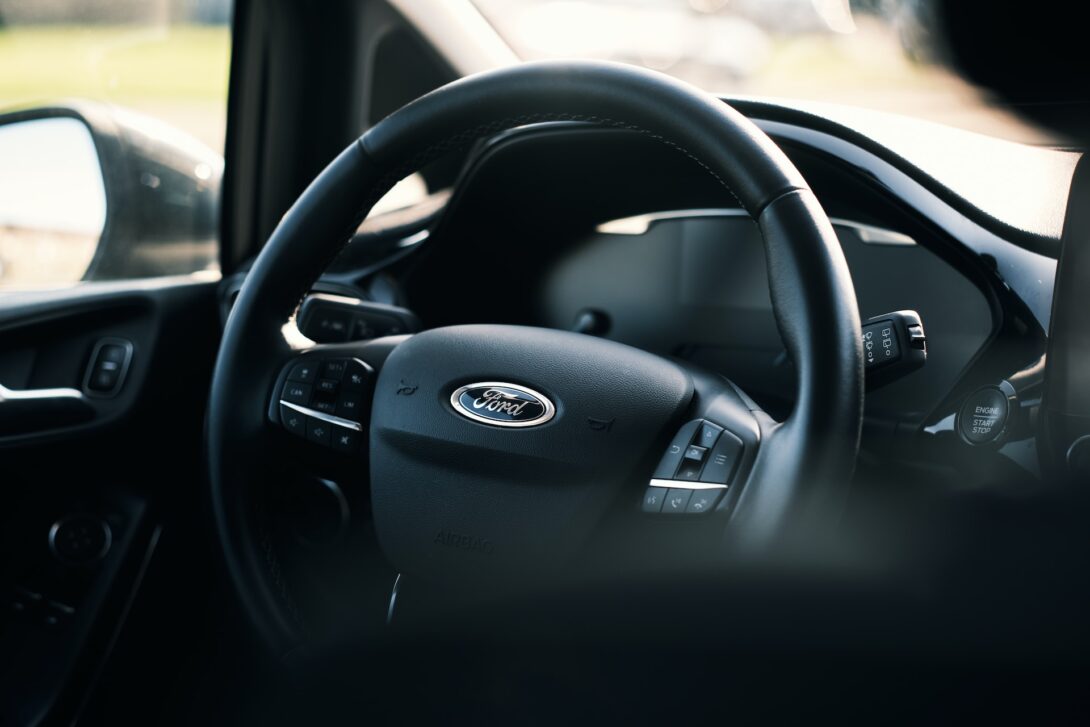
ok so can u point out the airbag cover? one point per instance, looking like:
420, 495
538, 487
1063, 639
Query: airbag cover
454, 495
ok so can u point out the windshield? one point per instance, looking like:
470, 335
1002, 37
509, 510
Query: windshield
877, 54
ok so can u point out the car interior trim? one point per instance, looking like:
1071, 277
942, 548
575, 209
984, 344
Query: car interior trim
685, 484
1030, 274
640, 224
7, 394
328, 418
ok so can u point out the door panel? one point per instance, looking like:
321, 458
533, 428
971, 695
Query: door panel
86, 500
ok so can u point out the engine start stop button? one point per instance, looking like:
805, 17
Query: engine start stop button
983, 416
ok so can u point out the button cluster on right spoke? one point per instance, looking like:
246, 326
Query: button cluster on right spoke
695, 471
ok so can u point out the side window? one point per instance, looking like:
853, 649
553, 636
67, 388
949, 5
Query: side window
112, 118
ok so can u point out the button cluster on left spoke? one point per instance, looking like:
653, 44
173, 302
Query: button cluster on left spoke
324, 401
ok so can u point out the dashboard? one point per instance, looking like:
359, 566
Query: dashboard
696, 286
570, 226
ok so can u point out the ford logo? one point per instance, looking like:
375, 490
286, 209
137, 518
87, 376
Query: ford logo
503, 405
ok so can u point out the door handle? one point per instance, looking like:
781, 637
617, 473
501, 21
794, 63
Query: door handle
32, 410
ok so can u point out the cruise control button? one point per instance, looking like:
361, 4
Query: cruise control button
348, 407
345, 440
676, 500
296, 393
652, 499
328, 386
334, 369
293, 421
703, 500
722, 459
304, 372
325, 404
318, 431
669, 463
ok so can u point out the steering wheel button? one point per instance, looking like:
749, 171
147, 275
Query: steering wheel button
319, 431
293, 421
708, 434
296, 393
348, 407
676, 500
690, 471
653, 499
722, 459
324, 404
304, 372
355, 377
328, 386
334, 369
703, 501
695, 453
672, 459
345, 440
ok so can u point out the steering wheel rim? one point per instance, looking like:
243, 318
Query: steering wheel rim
800, 472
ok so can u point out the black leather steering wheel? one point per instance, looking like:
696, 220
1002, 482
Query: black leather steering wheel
486, 442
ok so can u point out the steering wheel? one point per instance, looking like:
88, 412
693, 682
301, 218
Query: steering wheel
494, 448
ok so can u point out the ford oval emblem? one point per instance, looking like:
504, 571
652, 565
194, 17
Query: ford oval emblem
502, 404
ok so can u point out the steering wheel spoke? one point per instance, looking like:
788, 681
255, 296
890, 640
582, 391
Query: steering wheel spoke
709, 459
324, 399
323, 395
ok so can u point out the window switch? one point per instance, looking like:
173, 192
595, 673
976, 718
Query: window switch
110, 361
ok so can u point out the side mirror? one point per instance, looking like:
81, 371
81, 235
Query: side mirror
52, 200
94, 192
